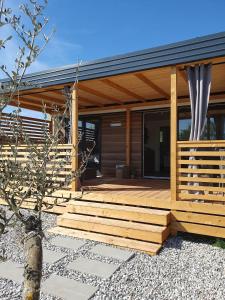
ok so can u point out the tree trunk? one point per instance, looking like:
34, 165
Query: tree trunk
33, 259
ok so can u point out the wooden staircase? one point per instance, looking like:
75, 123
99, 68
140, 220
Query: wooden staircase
141, 228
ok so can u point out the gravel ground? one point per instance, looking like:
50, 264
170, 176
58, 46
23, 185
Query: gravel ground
186, 268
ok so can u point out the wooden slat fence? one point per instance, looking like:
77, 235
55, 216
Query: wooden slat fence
61, 157
200, 195
59, 154
34, 128
201, 171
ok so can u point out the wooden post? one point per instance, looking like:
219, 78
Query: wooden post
74, 136
128, 138
51, 125
173, 134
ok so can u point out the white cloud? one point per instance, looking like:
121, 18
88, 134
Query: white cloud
57, 53
8, 56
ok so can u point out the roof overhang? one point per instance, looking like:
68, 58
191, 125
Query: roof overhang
137, 79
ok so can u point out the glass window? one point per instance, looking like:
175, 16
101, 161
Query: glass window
214, 128
184, 129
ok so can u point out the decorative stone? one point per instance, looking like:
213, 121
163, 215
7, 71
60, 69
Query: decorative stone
50, 256
12, 271
72, 244
67, 289
92, 267
112, 252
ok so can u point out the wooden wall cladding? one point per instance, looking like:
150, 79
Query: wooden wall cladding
136, 142
113, 142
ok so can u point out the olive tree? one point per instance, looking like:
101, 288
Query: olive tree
34, 177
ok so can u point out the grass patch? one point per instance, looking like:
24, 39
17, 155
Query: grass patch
220, 243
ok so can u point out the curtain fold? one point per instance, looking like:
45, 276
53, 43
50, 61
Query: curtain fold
199, 83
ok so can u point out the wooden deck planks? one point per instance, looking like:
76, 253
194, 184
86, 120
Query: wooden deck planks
141, 192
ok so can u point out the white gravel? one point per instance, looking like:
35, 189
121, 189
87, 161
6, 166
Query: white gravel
185, 269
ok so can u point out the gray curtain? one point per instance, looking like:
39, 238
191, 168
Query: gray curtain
199, 82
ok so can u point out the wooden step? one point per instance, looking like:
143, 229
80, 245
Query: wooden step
147, 247
113, 198
131, 213
145, 232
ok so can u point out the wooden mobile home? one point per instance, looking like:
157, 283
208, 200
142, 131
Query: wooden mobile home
147, 177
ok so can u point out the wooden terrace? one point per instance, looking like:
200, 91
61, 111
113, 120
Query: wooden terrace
114, 94
137, 191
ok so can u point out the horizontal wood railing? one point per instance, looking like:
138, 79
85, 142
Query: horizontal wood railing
34, 128
61, 160
201, 171
199, 205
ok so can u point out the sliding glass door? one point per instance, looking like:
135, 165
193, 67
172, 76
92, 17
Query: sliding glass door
156, 144
89, 129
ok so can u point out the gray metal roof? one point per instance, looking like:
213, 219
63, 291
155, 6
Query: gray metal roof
199, 48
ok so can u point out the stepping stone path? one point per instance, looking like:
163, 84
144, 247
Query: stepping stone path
93, 267
63, 287
12, 271
112, 252
67, 289
50, 256
69, 243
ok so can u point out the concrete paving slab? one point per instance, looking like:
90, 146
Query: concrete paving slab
108, 251
12, 271
67, 289
65, 242
92, 267
50, 256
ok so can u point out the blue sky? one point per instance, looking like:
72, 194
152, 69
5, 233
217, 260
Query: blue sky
90, 29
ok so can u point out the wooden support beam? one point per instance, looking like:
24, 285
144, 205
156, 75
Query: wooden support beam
56, 92
128, 137
163, 103
152, 85
148, 104
75, 137
40, 100
122, 89
29, 105
98, 94
173, 134
51, 125
183, 75
86, 101
57, 101
44, 97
